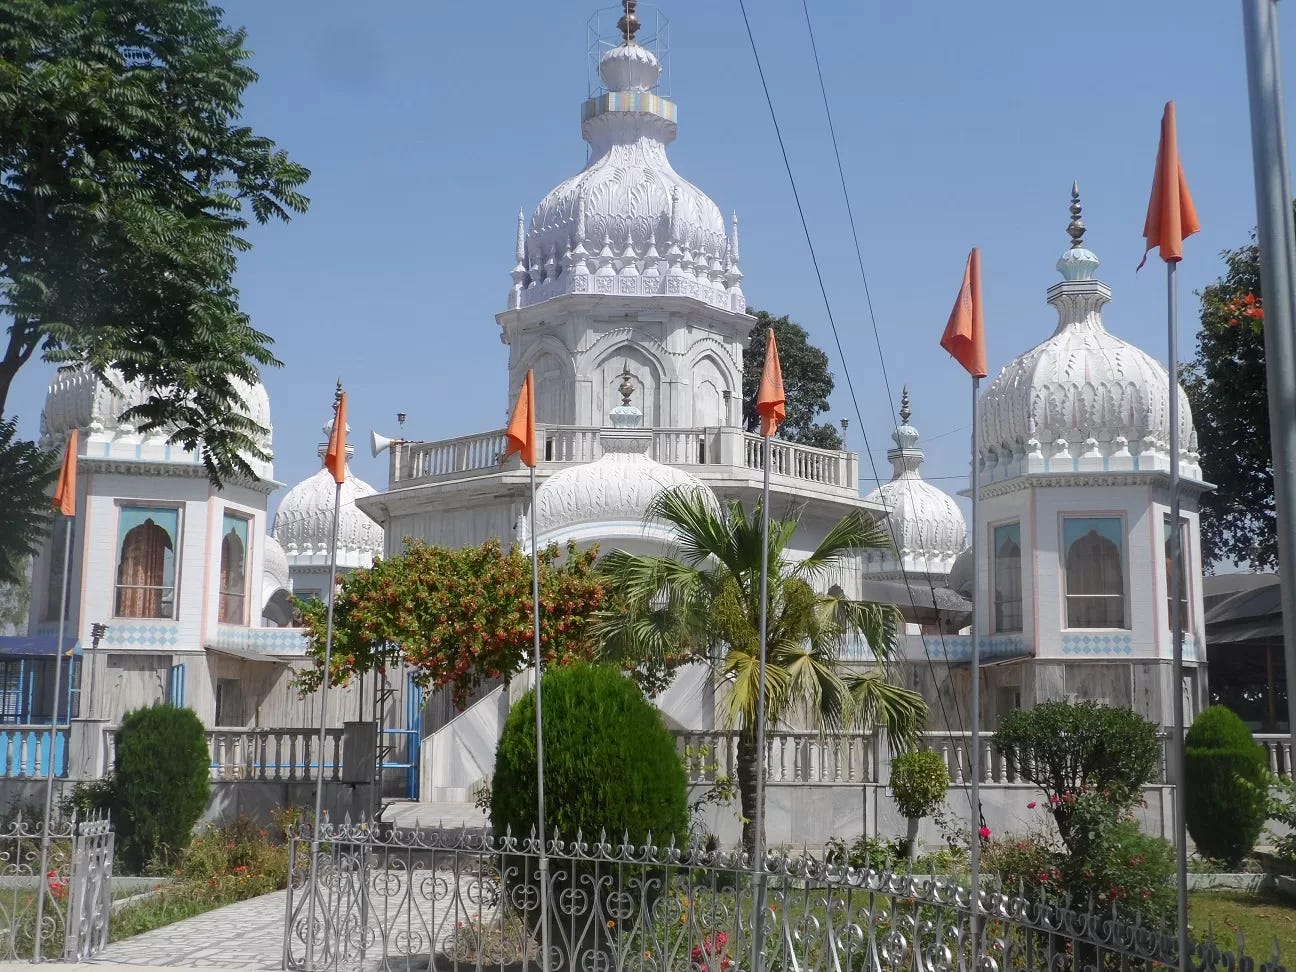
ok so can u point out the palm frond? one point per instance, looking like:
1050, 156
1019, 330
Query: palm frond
854, 532
879, 703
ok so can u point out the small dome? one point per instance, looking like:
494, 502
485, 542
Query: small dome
275, 566
303, 524
614, 490
925, 522
77, 399
1083, 400
960, 575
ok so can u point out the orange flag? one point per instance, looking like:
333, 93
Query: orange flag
964, 335
335, 460
65, 492
521, 428
1171, 216
771, 402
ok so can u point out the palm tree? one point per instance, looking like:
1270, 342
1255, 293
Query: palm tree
705, 602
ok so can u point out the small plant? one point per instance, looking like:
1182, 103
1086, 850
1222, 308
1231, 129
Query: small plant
864, 853
1282, 810
719, 791
1226, 781
919, 781
482, 797
161, 784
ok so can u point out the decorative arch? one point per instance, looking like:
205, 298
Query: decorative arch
646, 375
713, 392
555, 379
145, 572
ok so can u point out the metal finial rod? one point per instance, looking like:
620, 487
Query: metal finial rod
1076, 228
629, 23
904, 406
337, 395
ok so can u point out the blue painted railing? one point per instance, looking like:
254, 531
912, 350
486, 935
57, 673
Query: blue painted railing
25, 752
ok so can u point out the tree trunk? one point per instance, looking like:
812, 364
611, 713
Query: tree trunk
912, 851
746, 772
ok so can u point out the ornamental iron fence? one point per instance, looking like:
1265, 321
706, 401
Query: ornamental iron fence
390, 900
76, 889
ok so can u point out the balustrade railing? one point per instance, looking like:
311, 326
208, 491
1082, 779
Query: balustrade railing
280, 755
803, 758
25, 752
414, 462
1278, 750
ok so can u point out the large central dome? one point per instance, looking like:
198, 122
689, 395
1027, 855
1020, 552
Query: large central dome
628, 224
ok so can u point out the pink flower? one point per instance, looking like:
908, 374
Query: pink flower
1031, 805
984, 833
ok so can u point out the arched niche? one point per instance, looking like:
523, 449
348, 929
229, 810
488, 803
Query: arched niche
645, 376
710, 385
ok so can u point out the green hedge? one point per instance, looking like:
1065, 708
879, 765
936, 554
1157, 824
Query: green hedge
1226, 781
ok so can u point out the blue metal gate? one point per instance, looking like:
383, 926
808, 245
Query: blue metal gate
400, 747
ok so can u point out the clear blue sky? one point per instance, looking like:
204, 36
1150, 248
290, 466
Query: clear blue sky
427, 125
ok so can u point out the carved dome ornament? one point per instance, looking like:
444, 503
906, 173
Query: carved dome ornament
925, 523
303, 523
628, 224
615, 490
1083, 400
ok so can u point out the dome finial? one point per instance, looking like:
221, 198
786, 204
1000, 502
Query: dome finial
1076, 228
626, 388
905, 414
337, 395
629, 23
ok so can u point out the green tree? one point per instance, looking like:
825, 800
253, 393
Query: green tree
706, 602
1227, 390
806, 379
128, 180
457, 617
25, 477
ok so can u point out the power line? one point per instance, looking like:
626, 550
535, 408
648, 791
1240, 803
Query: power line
823, 290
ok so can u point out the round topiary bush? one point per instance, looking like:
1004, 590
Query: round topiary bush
1226, 785
610, 763
919, 780
161, 783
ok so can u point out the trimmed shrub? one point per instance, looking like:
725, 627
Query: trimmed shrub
1068, 749
610, 763
160, 785
1226, 785
919, 780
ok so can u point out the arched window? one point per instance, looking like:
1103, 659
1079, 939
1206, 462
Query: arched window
1007, 578
1094, 551
233, 570
146, 545
1183, 576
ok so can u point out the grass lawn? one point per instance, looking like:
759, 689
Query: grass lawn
1260, 917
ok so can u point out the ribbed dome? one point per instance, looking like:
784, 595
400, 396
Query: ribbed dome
628, 224
275, 566
77, 399
303, 523
614, 490
925, 522
1084, 400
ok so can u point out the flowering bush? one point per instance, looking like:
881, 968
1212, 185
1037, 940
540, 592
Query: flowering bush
235, 862
458, 617
710, 955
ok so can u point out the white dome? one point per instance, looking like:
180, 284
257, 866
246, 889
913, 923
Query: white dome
1083, 400
628, 224
303, 524
613, 492
925, 522
77, 399
275, 567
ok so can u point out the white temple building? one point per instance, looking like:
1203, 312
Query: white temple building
627, 301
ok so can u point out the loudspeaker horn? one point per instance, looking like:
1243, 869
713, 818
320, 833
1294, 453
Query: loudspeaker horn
378, 444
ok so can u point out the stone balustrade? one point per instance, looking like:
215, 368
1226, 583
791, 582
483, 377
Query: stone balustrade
418, 463
260, 755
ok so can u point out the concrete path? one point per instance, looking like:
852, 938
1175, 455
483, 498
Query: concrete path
246, 937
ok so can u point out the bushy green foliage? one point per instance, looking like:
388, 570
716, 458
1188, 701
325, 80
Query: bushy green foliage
864, 853
919, 780
610, 763
1226, 785
161, 784
1072, 748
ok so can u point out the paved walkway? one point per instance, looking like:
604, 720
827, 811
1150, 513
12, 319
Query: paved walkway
247, 937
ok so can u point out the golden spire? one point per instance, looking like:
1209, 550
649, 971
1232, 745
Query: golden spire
629, 23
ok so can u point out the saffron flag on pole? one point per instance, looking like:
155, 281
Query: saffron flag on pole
1171, 215
65, 492
521, 428
335, 459
964, 336
771, 402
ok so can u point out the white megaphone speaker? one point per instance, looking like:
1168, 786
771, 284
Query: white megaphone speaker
378, 444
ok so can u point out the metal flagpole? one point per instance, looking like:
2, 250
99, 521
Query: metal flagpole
539, 710
313, 884
975, 842
53, 738
1276, 236
758, 845
1173, 582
